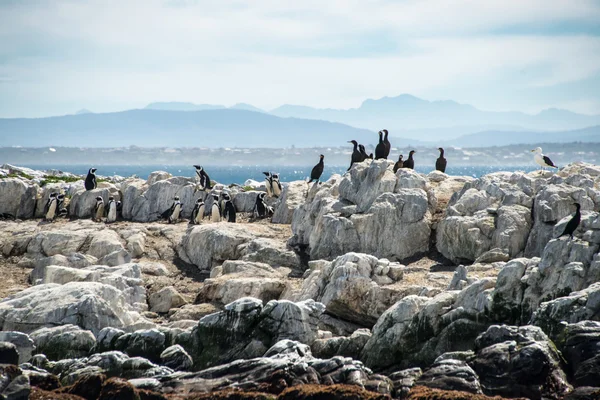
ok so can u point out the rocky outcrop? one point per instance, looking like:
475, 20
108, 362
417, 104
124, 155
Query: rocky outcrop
579, 345
83, 202
66, 341
23, 343
293, 195
17, 198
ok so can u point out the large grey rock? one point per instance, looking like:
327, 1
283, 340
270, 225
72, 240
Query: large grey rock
348, 287
66, 341
9, 353
292, 196
23, 343
146, 343
17, 197
165, 299
244, 201
83, 202
580, 349
451, 374
90, 305
151, 203
175, 357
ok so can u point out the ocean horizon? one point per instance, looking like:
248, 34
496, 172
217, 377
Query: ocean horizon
239, 174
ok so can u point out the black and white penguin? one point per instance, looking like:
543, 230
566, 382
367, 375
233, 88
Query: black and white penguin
90, 179
224, 197
229, 211
380, 148
410, 162
356, 156
197, 212
363, 152
269, 183
276, 186
203, 177
215, 210
542, 160
98, 209
388, 145
440, 163
399, 164
317, 170
111, 210
51, 207
175, 210
573, 223
260, 207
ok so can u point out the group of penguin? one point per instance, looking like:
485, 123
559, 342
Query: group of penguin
101, 210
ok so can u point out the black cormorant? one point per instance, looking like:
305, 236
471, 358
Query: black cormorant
356, 156
410, 163
388, 145
440, 163
573, 222
363, 152
317, 170
380, 148
399, 164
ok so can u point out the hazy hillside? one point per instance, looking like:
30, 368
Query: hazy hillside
208, 128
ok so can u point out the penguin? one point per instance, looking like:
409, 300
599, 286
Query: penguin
90, 179
440, 163
276, 185
388, 145
229, 212
111, 210
175, 210
203, 177
215, 210
410, 163
197, 212
98, 209
260, 207
356, 156
51, 207
363, 152
399, 164
269, 183
224, 197
380, 148
317, 170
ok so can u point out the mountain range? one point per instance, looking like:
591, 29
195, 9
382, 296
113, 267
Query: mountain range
409, 119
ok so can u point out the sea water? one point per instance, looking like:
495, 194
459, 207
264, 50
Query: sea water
239, 174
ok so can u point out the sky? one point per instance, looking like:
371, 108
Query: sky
59, 56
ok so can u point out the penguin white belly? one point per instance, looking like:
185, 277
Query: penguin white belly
200, 215
215, 214
112, 213
276, 190
176, 212
51, 211
268, 184
99, 212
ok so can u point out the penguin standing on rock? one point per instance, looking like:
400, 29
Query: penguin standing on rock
317, 170
229, 211
399, 164
260, 207
269, 183
51, 207
62, 211
410, 162
98, 209
111, 210
197, 212
273, 184
276, 185
175, 211
203, 177
224, 197
90, 179
215, 210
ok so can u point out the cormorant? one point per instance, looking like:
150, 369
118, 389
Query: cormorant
542, 160
317, 170
410, 163
398, 164
363, 152
388, 145
573, 223
380, 149
440, 163
356, 156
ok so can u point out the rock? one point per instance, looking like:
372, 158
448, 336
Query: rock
519, 361
98, 305
157, 176
115, 258
17, 198
22, 342
50, 243
342, 346
147, 343
292, 196
9, 353
107, 339
153, 268
348, 289
580, 349
192, 312
136, 245
451, 375
175, 357
493, 255
165, 299
14, 385
269, 251
83, 202
66, 341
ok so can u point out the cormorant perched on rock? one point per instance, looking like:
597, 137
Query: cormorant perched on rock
356, 156
440, 164
90, 179
410, 163
399, 164
573, 223
542, 160
388, 145
317, 170
363, 152
380, 148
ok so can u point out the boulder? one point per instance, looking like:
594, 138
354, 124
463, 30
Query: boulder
17, 197
83, 202
580, 349
146, 343
292, 196
175, 357
165, 299
14, 385
9, 353
244, 201
22, 342
451, 374
66, 341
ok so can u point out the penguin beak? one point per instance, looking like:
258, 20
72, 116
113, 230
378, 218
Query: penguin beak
532, 150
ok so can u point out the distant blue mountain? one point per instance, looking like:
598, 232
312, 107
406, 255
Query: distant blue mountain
181, 106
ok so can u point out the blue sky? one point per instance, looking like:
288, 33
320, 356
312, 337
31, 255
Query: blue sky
60, 56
